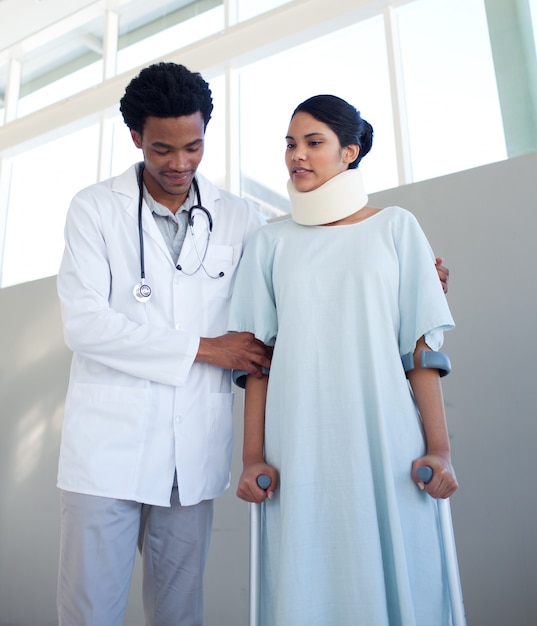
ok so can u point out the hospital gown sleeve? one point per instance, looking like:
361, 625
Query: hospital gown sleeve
253, 304
423, 307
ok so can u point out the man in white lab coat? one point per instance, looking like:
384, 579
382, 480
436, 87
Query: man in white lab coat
149, 262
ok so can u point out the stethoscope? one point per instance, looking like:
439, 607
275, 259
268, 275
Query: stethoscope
142, 291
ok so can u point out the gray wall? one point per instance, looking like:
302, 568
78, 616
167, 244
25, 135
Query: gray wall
484, 222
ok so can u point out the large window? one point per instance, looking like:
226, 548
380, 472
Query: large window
423, 72
151, 35
43, 182
124, 152
63, 87
62, 60
454, 118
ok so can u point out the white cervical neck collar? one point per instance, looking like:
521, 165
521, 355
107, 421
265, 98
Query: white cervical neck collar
336, 199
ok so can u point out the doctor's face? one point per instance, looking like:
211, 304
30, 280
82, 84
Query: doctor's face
314, 154
173, 148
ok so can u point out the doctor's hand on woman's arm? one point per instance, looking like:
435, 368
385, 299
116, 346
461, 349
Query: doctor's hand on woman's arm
443, 272
240, 351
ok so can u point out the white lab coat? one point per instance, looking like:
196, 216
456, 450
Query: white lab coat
138, 407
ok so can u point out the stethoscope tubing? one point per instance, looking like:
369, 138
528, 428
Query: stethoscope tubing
142, 291
140, 229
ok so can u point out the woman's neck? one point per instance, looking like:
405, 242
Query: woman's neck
359, 216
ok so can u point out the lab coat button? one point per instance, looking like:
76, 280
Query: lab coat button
178, 326
178, 419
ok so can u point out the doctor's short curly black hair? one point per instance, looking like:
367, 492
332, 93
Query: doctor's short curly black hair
165, 90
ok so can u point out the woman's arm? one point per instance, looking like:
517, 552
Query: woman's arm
253, 458
427, 391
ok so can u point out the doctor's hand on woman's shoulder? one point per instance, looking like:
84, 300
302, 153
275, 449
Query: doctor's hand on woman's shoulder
240, 351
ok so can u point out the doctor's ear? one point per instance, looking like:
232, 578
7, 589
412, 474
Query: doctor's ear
137, 138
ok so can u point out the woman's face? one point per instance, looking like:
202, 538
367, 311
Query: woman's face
314, 154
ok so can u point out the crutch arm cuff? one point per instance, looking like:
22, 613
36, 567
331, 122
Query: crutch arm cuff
429, 359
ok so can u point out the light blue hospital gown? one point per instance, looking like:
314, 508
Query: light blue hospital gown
348, 539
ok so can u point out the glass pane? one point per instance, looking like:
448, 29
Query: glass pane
61, 66
454, 115
272, 88
61, 88
3, 86
34, 230
213, 165
250, 8
124, 152
165, 31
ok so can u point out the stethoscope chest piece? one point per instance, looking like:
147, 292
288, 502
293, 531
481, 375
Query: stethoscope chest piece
142, 292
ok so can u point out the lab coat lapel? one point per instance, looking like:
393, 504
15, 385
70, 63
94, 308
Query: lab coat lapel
127, 185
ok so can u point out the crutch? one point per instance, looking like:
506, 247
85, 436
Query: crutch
425, 474
255, 523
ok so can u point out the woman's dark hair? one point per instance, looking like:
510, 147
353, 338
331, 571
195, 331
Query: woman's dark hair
343, 119
165, 90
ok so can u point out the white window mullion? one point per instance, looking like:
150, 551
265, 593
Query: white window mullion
12, 89
231, 12
397, 87
5, 186
10, 113
110, 43
110, 50
233, 168
232, 128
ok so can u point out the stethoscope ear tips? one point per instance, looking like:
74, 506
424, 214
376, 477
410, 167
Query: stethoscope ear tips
142, 292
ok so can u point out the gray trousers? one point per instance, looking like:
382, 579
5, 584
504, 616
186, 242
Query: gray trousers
98, 544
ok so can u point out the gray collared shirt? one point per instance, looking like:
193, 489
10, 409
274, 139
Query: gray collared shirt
172, 227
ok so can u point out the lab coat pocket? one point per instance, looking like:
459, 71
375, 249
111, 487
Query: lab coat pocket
219, 265
104, 430
211, 264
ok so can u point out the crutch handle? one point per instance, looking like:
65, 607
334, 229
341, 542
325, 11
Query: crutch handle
425, 473
263, 481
